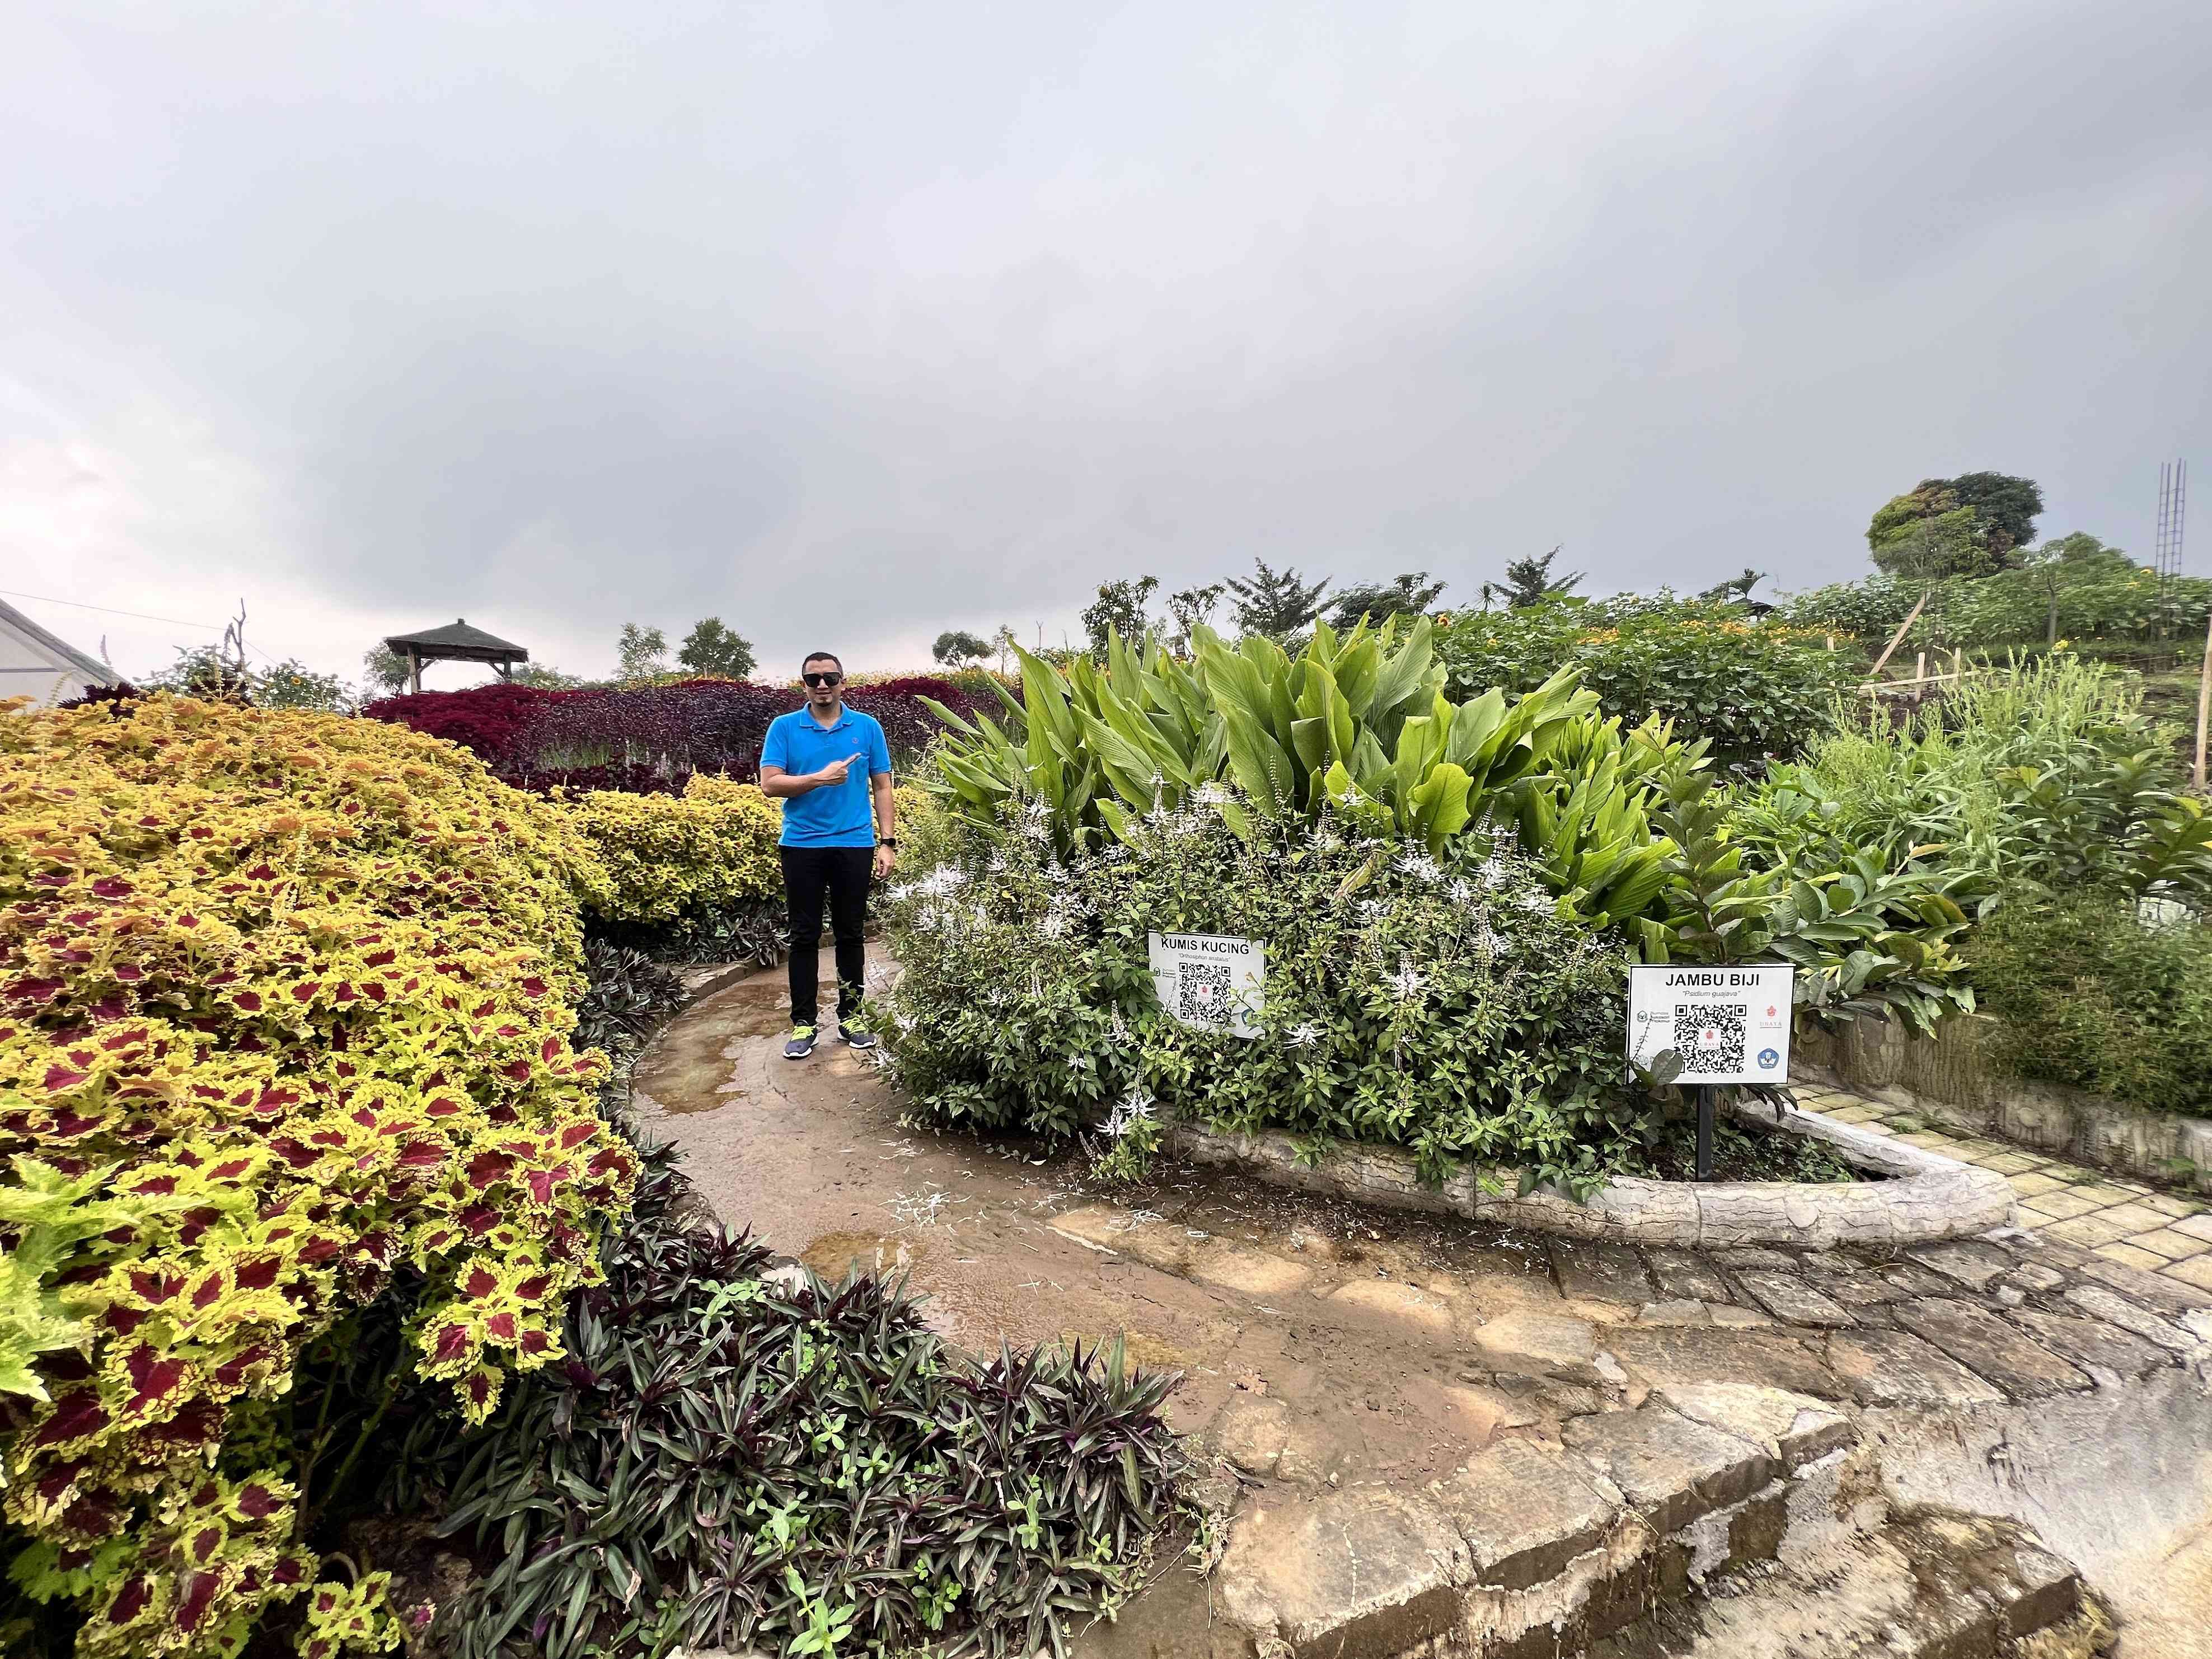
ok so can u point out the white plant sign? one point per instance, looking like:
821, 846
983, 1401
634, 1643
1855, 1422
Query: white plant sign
1728, 1025
1209, 979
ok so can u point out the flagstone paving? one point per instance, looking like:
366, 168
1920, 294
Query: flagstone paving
2122, 1220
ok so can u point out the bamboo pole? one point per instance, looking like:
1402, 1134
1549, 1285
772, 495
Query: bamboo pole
1897, 638
2203, 702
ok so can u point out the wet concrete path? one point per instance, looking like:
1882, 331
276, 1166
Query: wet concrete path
1321, 1338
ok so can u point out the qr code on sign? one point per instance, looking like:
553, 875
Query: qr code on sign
1202, 993
1709, 1036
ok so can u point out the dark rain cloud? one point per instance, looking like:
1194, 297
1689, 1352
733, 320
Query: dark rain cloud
860, 322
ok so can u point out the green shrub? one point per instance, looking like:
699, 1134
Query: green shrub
1446, 1005
1749, 688
2086, 995
669, 856
2047, 772
2108, 598
738, 1461
285, 1012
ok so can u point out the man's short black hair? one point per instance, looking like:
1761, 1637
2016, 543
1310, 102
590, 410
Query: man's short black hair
821, 656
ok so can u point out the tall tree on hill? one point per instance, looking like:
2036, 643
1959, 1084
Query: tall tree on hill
1275, 604
1530, 581
956, 647
1409, 594
1974, 525
711, 648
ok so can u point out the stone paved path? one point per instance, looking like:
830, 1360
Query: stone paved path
1359, 1378
2122, 1220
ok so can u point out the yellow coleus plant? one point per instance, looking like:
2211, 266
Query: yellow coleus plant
285, 1003
666, 856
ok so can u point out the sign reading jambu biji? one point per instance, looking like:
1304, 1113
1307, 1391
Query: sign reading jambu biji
1728, 1025
1209, 979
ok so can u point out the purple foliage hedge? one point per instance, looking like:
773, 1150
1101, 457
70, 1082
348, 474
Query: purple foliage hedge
648, 738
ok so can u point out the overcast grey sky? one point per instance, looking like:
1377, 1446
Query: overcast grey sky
850, 323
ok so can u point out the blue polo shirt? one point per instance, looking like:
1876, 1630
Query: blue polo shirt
835, 815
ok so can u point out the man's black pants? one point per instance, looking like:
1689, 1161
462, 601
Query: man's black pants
842, 874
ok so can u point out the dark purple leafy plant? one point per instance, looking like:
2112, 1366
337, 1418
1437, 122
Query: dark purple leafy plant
648, 738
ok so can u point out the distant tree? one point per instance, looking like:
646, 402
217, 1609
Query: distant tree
711, 648
1120, 608
1411, 594
1974, 525
546, 677
1530, 581
2078, 551
1275, 604
205, 672
1190, 608
1002, 645
292, 684
956, 645
2008, 506
1734, 588
643, 652
383, 669
2065, 560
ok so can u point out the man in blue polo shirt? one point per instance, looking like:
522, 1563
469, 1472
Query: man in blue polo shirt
825, 762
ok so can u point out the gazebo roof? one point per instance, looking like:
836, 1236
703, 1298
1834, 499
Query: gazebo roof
459, 642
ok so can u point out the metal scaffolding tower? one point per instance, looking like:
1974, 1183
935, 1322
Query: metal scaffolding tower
2173, 498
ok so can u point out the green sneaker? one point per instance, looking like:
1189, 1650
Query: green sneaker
855, 1034
801, 1043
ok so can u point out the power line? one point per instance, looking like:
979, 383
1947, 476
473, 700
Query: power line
109, 611
77, 604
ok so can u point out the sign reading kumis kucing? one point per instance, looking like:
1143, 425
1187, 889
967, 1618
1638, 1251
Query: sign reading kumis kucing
1209, 979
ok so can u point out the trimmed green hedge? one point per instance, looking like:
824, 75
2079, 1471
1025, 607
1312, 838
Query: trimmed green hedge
2086, 995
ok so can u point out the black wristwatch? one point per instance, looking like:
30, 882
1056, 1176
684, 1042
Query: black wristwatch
891, 841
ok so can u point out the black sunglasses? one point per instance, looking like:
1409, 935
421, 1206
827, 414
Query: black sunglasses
823, 679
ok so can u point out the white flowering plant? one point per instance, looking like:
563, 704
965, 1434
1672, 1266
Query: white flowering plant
1443, 1002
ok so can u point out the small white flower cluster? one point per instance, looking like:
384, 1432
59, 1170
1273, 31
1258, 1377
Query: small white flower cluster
1305, 1035
1210, 794
1406, 984
1129, 1113
1420, 867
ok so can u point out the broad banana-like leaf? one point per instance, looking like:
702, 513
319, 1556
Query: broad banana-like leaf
954, 720
1438, 805
1262, 769
1403, 675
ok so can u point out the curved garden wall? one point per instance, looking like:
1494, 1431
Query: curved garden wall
1949, 1078
1924, 1195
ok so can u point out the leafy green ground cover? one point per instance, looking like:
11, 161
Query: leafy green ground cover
2085, 993
1748, 687
730, 1459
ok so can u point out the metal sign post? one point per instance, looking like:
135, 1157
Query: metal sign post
1704, 1094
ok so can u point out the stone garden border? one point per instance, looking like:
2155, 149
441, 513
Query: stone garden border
1926, 1196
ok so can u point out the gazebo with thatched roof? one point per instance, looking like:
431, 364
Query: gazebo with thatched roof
458, 643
